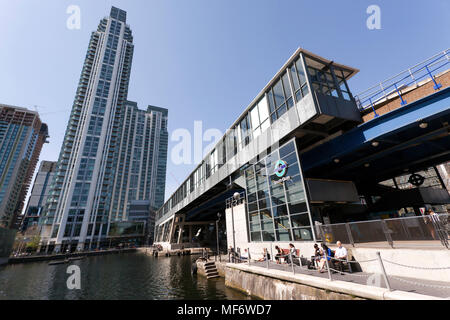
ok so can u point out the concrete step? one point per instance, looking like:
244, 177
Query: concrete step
210, 267
213, 276
210, 264
212, 273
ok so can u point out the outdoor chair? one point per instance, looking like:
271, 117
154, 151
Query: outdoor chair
347, 265
296, 258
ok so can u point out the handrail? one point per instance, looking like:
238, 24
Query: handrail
394, 85
437, 223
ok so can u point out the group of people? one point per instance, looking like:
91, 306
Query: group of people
280, 254
322, 255
334, 257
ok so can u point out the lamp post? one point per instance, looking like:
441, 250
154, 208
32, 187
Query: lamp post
217, 233
236, 198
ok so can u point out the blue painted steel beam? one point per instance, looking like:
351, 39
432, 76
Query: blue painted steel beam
430, 107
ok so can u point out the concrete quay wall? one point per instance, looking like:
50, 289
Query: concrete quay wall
271, 284
427, 264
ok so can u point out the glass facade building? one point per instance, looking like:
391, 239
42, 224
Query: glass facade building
308, 99
141, 171
113, 153
39, 194
276, 202
80, 203
22, 135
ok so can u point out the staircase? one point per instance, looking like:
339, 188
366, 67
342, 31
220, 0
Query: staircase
211, 270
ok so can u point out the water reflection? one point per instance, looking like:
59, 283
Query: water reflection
123, 276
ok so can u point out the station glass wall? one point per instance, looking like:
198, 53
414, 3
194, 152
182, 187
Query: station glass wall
276, 206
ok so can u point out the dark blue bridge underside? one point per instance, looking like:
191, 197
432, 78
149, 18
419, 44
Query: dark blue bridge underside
402, 144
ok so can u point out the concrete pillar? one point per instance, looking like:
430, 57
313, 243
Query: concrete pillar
172, 230
443, 175
180, 234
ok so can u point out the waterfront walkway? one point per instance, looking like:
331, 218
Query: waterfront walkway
419, 286
62, 256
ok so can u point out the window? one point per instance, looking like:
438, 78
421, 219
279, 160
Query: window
95, 126
322, 81
259, 116
298, 80
277, 210
110, 56
80, 194
264, 113
280, 97
86, 169
231, 139
254, 115
245, 131
103, 89
343, 85
214, 161
90, 147
99, 106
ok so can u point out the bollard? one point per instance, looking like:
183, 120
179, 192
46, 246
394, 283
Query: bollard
267, 259
383, 271
248, 256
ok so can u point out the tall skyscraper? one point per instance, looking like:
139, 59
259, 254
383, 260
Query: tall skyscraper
110, 147
141, 174
22, 135
39, 194
79, 204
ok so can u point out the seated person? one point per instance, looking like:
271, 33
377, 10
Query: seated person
232, 254
316, 257
244, 255
265, 257
340, 256
324, 260
278, 255
292, 252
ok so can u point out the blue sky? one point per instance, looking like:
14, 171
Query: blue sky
206, 59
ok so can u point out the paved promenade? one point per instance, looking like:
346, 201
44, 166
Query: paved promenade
425, 287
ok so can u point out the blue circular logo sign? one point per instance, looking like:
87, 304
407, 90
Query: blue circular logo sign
280, 168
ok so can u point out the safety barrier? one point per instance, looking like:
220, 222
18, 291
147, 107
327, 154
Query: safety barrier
415, 231
391, 282
393, 86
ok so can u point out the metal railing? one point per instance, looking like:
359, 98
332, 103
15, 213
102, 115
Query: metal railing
417, 231
232, 201
332, 266
392, 87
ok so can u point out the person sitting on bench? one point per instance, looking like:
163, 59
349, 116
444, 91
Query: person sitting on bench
315, 259
293, 253
325, 255
245, 255
266, 256
279, 254
340, 256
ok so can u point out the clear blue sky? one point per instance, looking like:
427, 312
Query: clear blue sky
206, 59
